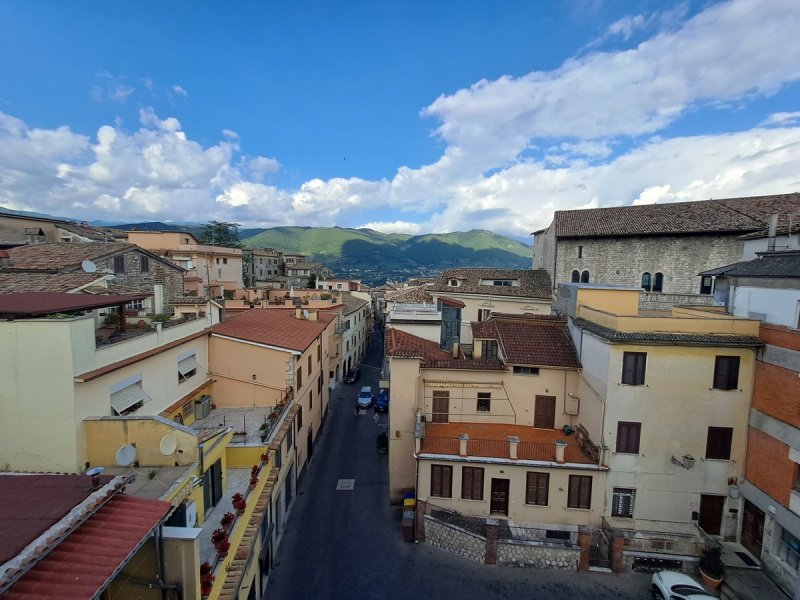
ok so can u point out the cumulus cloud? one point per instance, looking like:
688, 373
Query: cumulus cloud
179, 91
405, 227
782, 118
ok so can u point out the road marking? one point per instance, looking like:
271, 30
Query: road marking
345, 484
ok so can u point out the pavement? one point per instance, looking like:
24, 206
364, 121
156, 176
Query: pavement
347, 542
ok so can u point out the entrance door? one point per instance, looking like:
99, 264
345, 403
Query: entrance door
544, 412
441, 407
711, 508
310, 443
752, 529
499, 504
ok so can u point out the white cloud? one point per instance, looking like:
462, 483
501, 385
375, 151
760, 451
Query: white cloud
179, 91
626, 26
782, 118
405, 227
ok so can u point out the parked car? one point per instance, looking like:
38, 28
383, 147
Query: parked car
365, 397
353, 375
382, 401
671, 585
383, 443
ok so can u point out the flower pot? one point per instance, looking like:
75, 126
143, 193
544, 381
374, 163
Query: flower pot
709, 582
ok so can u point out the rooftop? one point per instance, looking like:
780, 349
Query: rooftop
47, 282
533, 283
278, 328
30, 304
730, 215
55, 256
769, 264
667, 339
400, 344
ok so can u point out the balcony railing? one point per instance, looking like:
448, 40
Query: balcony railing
559, 452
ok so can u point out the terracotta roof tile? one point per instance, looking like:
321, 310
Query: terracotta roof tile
46, 282
533, 283
65, 256
87, 561
400, 344
730, 215
536, 340
671, 339
42, 303
274, 328
412, 295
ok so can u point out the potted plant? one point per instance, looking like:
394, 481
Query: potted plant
265, 457
253, 481
227, 519
218, 535
711, 567
206, 578
238, 501
222, 548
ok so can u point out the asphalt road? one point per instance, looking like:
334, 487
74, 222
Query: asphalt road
341, 544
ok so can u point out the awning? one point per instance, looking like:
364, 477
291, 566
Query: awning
127, 397
187, 365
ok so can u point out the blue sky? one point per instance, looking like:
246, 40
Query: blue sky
410, 117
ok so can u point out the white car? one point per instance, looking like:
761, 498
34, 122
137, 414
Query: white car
671, 585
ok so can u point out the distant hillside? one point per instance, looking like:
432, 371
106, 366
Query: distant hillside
373, 256
151, 226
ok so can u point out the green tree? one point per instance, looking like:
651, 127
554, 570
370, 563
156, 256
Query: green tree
312, 281
220, 233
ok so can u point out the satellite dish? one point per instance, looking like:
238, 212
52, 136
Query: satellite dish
168, 444
126, 455
305, 313
88, 266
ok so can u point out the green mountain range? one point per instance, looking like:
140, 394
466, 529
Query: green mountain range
374, 257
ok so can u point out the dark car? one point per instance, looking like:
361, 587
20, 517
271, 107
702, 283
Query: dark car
353, 375
381, 401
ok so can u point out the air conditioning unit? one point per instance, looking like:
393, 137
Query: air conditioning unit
202, 407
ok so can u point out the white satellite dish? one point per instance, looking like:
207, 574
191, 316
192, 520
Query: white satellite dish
88, 266
126, 455
168, 444
305, 313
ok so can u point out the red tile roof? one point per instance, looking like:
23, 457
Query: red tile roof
67, 256
273, 327
46, 282
85, 563
400, 344
536, 340
533, 283
730, 215
43, 303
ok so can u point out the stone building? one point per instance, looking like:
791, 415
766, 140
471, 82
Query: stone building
661, 248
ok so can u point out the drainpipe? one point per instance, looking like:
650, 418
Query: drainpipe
165, 587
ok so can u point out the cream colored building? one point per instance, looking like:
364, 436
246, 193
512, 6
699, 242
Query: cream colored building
497, 435
57, 371
674, 388
212, 270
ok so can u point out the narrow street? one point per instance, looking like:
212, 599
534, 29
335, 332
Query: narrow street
348, 544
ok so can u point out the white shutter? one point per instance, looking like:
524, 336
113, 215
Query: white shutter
187, 365
123, 399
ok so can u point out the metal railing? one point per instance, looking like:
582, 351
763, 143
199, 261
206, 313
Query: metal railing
539, 451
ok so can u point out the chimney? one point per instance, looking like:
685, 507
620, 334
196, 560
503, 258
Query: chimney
463, 438
561, 445
298, 313
513, 442
456, 349
313, 315
158, 298
773, 229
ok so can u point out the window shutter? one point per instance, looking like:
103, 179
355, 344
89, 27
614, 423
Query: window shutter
187, 365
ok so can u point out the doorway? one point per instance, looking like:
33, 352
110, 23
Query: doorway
711, 508
544, 412
441, 407
752, 529
499, 502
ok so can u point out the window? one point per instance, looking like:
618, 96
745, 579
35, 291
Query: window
442, 481
726, 372
472, 483
526, 370
144, 264
633, 367
319, 352
484, 314
622, 502
789, 549
300, 418
503, 282
576, 277
585, 277
309, 364
705, 284
135, 305
646, 284
452, 282
658, 282
224, 261
127, 396
537, 488
187, 366
299, 378
718, 443
489, 349
580, 491
119, 264
289, 438
311, 396
628, 437
484, 402
580, 251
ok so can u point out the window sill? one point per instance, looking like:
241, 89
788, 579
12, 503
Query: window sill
537, 505
579, 509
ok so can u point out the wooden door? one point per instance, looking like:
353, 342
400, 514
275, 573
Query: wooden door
711, 508
441, 407
752, 529
544, 412
499, 503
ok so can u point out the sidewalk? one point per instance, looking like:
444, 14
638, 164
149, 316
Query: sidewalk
749, 584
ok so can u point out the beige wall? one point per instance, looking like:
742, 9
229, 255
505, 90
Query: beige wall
405, 389
426, 331
618, 301
555, 513
157, 240
104, 437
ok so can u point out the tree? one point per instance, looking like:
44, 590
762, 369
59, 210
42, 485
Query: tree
220, 233
312, 281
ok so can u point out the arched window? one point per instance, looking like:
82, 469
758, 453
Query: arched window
646, 281
576, 277
585, 277
658, 282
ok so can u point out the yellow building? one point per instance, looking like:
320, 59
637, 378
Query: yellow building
674, 390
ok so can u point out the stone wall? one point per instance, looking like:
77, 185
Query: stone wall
455, 540
622, 261
541, 556
657, 301
161, 272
